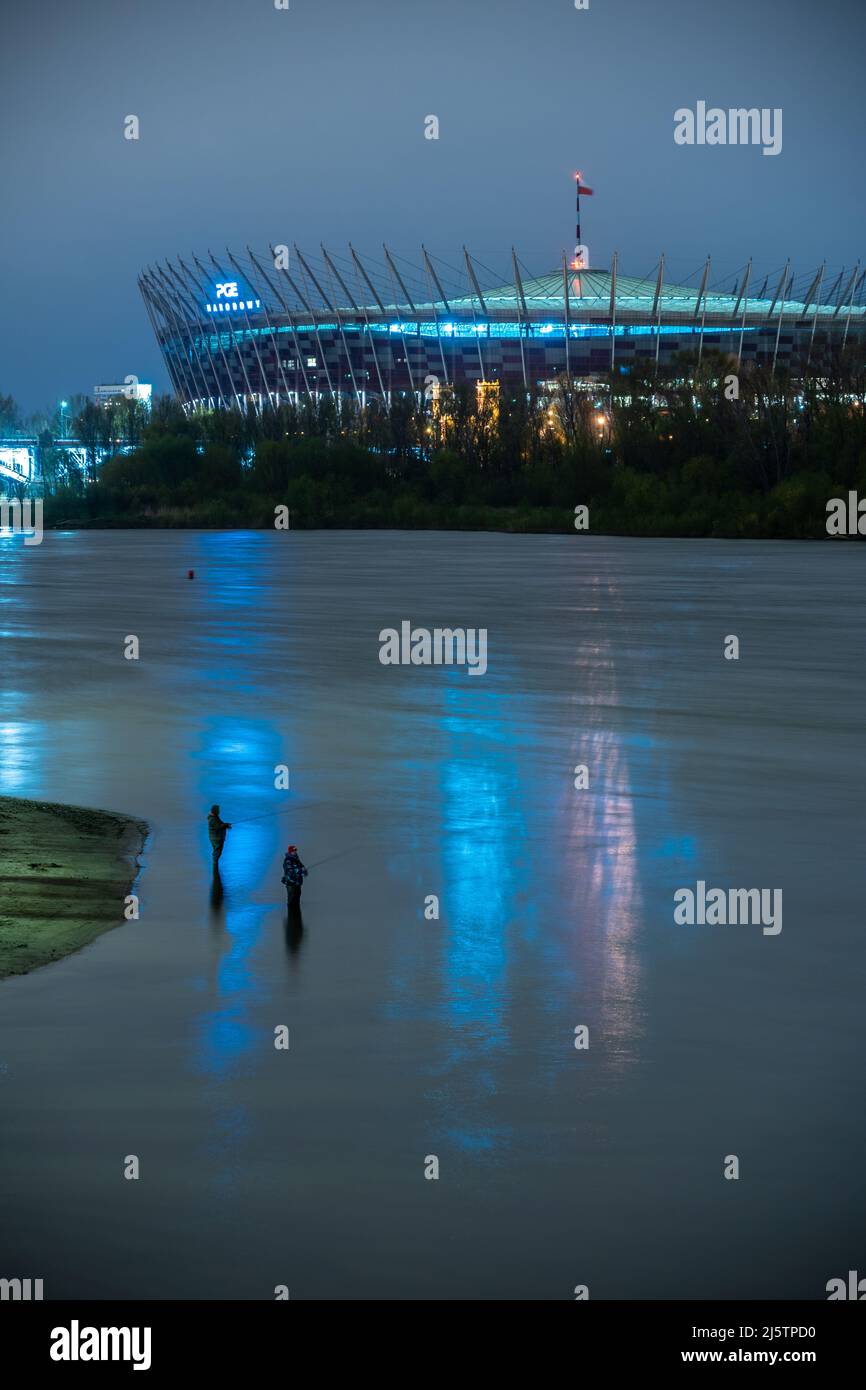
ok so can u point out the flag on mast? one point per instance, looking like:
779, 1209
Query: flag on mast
581, 254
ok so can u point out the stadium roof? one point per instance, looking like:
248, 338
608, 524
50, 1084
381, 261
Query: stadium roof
546, 295
328, 285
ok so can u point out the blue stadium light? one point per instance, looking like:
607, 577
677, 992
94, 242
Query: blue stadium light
643, 326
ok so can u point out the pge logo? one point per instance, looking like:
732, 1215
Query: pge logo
227, 290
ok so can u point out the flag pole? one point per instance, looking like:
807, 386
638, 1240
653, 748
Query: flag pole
577, 212
578, 189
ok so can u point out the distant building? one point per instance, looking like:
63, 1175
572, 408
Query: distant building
131, 389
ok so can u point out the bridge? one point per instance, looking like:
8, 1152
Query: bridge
18, 457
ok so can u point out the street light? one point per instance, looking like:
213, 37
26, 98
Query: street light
63, 405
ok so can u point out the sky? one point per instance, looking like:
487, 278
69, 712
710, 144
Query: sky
260, 125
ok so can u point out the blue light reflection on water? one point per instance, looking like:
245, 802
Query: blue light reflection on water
483, 912
235, 766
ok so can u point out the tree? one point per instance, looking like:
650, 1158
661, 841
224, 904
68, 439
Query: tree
129, 421
89, 427
10, 417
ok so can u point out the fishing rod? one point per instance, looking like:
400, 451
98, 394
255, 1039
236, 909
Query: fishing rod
297, 806
339, 855
193, 831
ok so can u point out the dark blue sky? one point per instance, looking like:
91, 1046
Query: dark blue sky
260, 125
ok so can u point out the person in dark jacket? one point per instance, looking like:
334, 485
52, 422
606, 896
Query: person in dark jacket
294, 874
216, 830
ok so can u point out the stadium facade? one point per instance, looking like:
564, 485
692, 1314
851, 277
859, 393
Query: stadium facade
265, 329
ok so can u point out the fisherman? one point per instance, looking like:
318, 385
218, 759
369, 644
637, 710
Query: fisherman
216, 830
294, 874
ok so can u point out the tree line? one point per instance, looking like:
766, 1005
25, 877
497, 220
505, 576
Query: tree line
691, 451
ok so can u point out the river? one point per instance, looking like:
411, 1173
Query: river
414, 1037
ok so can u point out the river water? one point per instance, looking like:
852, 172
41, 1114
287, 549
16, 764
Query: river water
412, 1037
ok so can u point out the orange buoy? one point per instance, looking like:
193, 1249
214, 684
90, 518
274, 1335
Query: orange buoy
190, 574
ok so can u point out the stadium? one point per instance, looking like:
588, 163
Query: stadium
268, 329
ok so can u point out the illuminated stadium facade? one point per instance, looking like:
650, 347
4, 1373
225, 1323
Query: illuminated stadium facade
267, 329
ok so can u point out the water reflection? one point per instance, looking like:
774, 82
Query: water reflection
602, 893
482, 815
294, 932
601, 889
234, 767
20, 752
230, 758
541, 890
217, 893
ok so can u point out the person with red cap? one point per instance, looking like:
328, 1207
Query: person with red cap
294, 874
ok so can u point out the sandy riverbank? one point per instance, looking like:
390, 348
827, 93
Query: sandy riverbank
64, 874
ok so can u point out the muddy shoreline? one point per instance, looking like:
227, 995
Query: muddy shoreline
64, 874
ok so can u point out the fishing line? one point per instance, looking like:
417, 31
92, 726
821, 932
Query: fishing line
193, 832
297, 806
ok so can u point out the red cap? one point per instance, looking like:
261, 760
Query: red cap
292, 849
